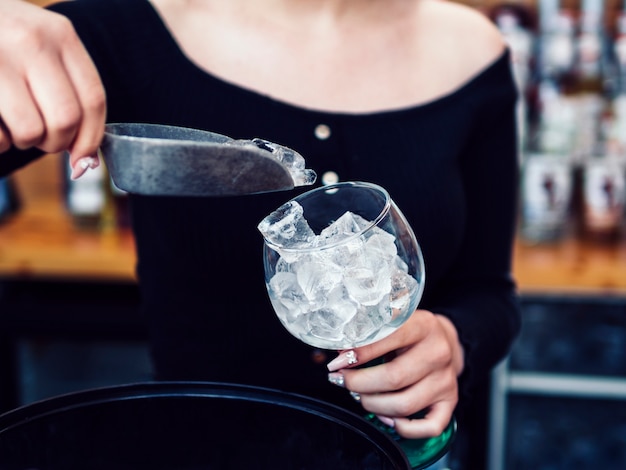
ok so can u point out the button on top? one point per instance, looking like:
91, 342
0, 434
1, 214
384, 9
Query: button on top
322, 131
330, 177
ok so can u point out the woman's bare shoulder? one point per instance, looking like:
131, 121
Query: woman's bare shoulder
461, 35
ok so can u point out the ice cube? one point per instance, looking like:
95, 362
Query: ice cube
286, 227
292, 160
367, 285
304, 177
403, 289
328, 323
381, 244
363, 325
344, 227
282, 266
346, 254
287, 297
317, 278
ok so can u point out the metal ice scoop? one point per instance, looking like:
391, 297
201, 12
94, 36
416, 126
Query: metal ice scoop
153, 159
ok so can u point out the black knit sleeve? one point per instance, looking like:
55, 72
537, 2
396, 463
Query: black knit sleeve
479, 294
14, 159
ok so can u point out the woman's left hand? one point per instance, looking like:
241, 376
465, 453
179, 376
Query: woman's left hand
421, 374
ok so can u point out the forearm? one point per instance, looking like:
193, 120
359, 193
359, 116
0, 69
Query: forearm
486, 325
478, 294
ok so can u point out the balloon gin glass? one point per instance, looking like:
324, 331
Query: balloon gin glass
343, 269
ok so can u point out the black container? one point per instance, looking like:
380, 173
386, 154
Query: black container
190, 426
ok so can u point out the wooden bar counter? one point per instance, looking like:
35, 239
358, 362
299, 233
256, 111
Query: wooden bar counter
571, 266
42, 242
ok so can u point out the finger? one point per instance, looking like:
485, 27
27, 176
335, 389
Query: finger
413, 330
410, 332
349, 358
58, 104
391, 376
433, 424
91, 96
408, 366
437, 386
23, 124
82, 165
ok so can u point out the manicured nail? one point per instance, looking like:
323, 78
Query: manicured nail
337, 378
346, 358
386, 420
356, 396
82, 165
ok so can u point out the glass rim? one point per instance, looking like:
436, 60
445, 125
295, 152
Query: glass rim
333, 187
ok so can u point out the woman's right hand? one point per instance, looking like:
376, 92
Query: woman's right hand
51, 95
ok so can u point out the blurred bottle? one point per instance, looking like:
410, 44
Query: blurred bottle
554, 108
619, 50
547, 166
597, 195
546, 196
9, 201
557, 42
617, 125
593, 80
591, 47
604, 197
94, 201
516, 22
85, 198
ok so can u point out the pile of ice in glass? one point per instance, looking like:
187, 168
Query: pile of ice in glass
341, 288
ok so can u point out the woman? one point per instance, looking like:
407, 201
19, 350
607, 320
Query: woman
414, 95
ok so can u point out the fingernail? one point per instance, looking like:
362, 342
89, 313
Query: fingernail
82, 165
386, 420
356, 396
346, 358
336, 378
